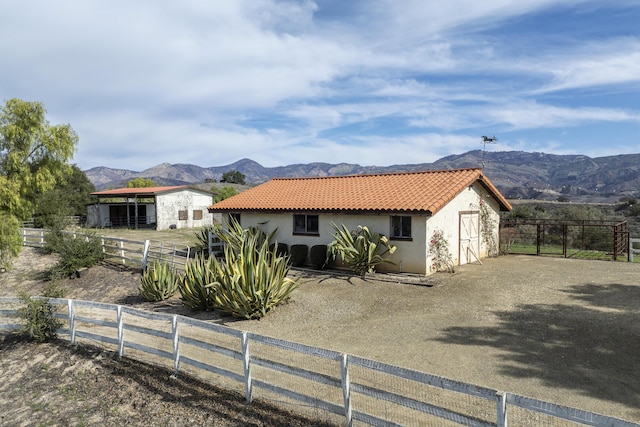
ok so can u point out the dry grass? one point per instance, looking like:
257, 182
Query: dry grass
185, 236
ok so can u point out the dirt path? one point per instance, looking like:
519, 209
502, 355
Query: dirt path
560, 330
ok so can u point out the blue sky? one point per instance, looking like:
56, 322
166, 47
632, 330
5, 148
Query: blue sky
374, 82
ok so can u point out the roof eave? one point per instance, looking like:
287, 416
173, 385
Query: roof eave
211, 209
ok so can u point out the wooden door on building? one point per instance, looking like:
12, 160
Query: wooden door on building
469, 248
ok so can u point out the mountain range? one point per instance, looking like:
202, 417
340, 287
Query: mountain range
517, 174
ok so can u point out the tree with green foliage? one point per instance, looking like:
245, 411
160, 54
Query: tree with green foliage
69, 197
223, 193
233, 177
34, 156
140, 182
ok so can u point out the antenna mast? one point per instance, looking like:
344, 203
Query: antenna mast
487, 140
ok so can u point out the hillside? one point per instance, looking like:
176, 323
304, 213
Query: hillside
518, 174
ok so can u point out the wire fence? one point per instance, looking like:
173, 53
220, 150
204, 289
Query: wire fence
584, 239
340, 388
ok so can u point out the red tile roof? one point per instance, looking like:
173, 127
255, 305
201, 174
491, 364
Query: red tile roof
426, 191
140, 191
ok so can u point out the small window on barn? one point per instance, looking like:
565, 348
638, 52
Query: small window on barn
183, 215
234, 217
400, 227
197, 214
305, 224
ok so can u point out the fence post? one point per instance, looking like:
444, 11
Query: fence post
120, 332
346, 390
501, 407
124, 261
72, 322
145, 254
209, 243
176, 348
246, 361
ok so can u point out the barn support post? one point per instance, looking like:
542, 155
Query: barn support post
128, 215
136, 219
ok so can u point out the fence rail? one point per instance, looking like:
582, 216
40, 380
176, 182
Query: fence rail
352, 389
130, 253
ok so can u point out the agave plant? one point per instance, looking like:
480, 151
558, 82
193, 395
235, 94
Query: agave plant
202, 236
251, 280
158, 282
235, 235
194, 284
360, 249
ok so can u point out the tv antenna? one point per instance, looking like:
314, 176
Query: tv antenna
487, 140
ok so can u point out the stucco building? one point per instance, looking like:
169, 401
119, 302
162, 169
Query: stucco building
151, 207
461, 205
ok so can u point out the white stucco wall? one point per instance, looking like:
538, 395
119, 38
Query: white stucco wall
448, 220
169, 205
408, 257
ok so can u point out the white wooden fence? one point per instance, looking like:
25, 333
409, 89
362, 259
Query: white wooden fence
351, 389
131, 253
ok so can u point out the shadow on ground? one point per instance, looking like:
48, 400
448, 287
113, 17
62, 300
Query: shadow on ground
591, 346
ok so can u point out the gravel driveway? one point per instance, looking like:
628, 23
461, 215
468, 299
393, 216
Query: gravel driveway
561, 330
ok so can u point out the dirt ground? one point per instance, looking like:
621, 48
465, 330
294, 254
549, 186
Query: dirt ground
560, 330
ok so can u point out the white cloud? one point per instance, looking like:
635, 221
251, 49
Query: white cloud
531, 115
278, 81
614, 62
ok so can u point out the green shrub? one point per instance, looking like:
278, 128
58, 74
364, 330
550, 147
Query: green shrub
159, 282
54, 290
439, 250
193, 284
252, 280
318, 256
10, 239
360, 249
299, 255
75, 252
38, 315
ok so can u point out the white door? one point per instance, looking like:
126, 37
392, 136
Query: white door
469, 237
